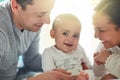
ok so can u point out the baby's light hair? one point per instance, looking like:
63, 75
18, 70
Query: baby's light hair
64, 16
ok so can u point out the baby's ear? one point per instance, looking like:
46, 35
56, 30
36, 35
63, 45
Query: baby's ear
52, 33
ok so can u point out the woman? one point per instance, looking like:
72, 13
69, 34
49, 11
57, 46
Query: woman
106, 22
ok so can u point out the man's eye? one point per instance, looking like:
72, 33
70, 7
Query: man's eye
39, 16
65, 33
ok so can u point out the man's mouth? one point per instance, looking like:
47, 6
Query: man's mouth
39, 25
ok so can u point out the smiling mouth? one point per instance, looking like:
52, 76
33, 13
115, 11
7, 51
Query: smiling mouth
68, 44
103, 41
39, 25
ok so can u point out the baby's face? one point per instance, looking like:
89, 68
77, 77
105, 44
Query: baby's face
67, 35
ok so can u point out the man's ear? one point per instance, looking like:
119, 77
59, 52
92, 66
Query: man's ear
14, 6
52, 33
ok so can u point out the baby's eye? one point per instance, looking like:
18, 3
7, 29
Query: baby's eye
76, 36
65, 33
39, 16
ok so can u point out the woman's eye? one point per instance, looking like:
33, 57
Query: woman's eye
101, 30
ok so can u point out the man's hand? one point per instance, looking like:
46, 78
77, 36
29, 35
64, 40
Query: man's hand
52, 75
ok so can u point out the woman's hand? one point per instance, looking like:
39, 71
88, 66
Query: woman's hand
108, 76
101, 57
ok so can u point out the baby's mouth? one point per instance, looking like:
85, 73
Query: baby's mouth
68, 44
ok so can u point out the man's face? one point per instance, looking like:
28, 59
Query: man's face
34, 16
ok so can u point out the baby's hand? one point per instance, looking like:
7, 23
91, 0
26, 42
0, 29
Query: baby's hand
108, 76
74, 77
82, 76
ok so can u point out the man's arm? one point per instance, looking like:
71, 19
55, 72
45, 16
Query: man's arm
32, 58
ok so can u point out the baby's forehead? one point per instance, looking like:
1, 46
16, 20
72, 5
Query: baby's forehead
66, 20
66, 17
68, 26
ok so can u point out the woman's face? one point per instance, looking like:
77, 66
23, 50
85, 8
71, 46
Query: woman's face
106, 31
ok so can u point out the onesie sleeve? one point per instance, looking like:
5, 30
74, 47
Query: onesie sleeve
47, 61
85, 58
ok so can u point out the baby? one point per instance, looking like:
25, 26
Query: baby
67, 53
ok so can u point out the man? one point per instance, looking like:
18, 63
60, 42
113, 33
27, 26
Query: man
20, 23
